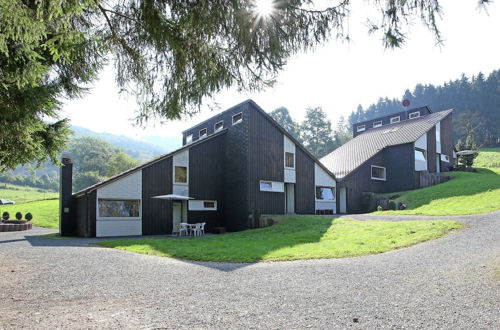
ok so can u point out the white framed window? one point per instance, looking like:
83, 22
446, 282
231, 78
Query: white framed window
289, 160
181, 174
203, 133
445, 158
218, 126
395, 119
189, 138
414, 115
361, 128
237, 118
325, 193
201, 205
377, 123
119, 208
271, 186
378, 173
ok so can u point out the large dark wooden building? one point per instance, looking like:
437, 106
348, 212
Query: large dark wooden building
235, 164
390, 153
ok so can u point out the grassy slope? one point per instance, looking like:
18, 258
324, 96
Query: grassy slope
294, 238
488, 157
45, 213
467, 193
20, 194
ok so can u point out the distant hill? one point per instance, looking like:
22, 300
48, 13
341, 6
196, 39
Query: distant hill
151, 147
147, 149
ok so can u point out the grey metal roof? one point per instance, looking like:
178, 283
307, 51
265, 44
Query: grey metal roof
354, 153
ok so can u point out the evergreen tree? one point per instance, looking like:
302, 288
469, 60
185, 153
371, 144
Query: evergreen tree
282, 116
316, 132
170, 54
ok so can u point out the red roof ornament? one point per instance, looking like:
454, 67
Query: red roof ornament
406, 103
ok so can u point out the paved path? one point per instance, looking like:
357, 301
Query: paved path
449, 283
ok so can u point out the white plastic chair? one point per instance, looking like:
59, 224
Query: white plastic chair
199, 229
183, 227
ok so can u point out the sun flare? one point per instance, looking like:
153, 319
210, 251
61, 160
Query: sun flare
264, 8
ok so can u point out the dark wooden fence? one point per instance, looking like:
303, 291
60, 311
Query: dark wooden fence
425, 179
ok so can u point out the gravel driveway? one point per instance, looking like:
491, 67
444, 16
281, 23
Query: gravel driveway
449, 283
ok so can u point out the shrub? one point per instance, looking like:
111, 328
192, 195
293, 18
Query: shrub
380, 208
19, 215
6, 215
28, 216
392, 205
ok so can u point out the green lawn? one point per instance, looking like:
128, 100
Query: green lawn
294, 238
20, 194
45, 212
488, 157
466, 193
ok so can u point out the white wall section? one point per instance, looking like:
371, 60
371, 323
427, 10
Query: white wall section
438, 138
323, 179
421, 143
195, 205
289, 146
180, 159
128, 187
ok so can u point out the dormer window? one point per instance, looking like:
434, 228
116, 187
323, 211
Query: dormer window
218, 126
361, 128
203, 133
237, 118
189, 138
395, 120
377, 124
414, 115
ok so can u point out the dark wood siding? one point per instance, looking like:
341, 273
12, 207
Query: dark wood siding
266, 162
85, 215
157, 213
206, 171
235, 173
225, 116
304, 187
431, 150
400, 165
386, 120
447, 142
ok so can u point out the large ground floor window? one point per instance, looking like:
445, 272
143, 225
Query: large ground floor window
114, 208
325, 193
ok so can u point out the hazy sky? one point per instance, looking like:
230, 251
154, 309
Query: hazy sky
336, 76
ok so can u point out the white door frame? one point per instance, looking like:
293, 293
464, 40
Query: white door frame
342, 200
175, 204
289, 195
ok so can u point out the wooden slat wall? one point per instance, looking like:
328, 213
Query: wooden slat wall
304, 187
206, 165
157, 213
266, 162
431, 150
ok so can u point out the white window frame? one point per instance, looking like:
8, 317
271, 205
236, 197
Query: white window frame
220, 128
204, 135
187, 175
377, 123
100, 217
293, 166
396, 119
326, 200
239, 121
189, 138
274, 186
361, 128
379, 179
411, 115
445, 158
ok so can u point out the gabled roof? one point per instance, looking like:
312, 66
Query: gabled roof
151, 162
357, 151
276, 124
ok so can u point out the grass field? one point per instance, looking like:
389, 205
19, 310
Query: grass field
45, 212
20, 194
466, 193
488, 157
294, 238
